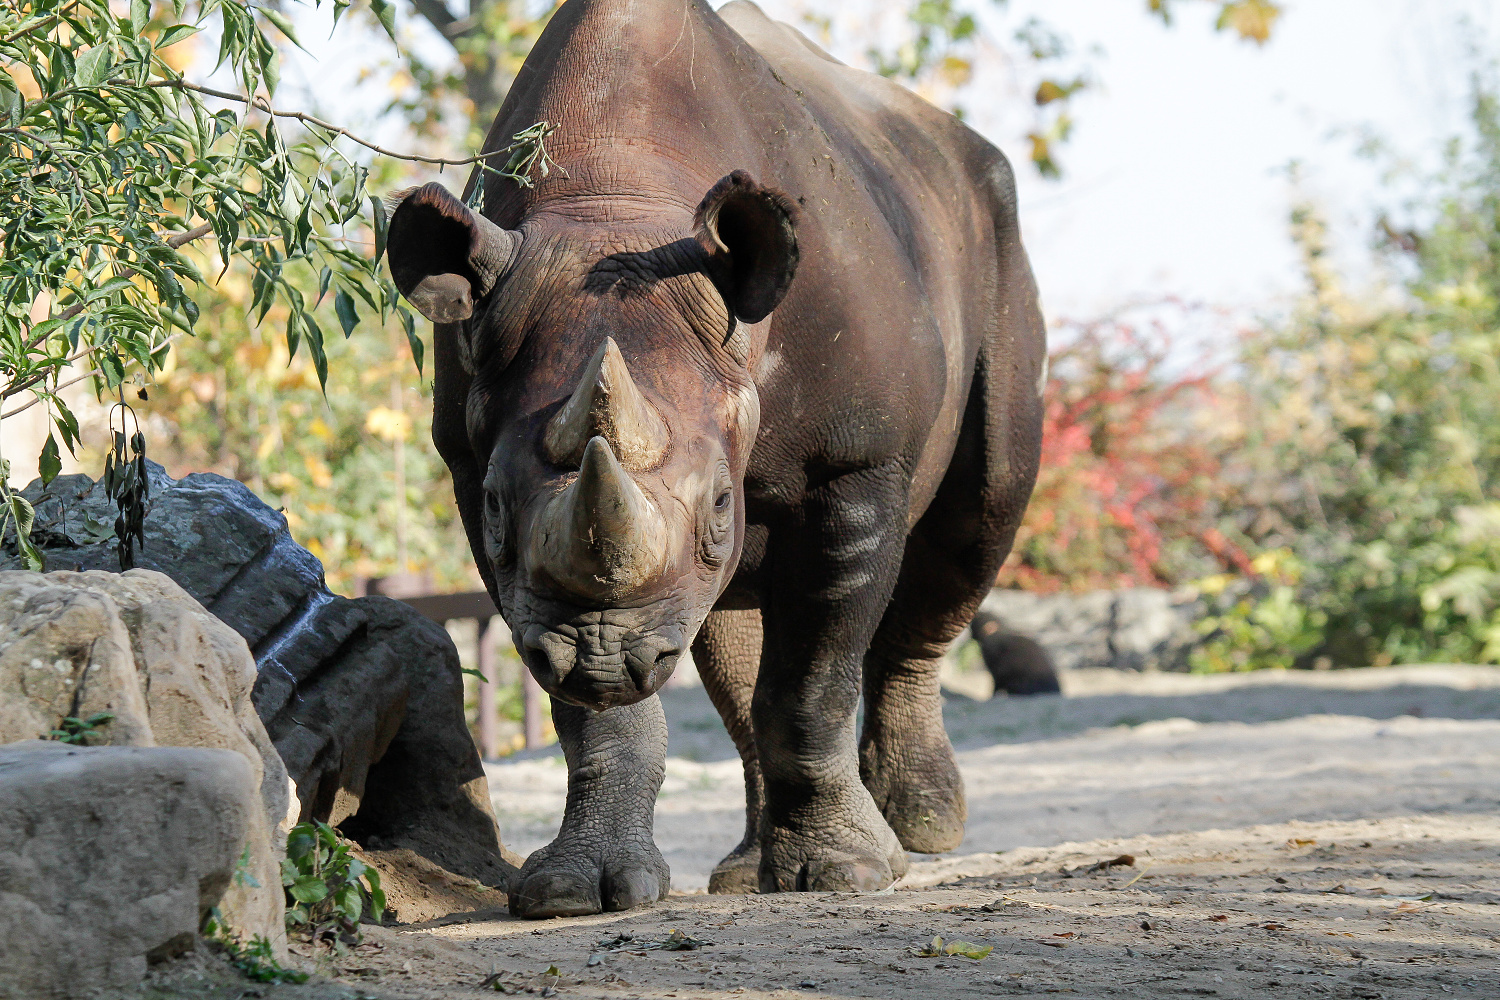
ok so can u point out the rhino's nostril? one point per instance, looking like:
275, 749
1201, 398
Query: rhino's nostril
651, 659
549, 656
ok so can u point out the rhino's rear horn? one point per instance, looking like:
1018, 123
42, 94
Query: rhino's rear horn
607, 404
602, 538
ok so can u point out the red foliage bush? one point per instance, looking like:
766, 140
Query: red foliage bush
1133, 457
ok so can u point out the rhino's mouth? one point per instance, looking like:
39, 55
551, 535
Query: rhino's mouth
601, 664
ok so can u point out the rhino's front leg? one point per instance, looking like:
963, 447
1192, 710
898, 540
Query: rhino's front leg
831, 580
604, 857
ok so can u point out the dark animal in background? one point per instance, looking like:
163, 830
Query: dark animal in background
1018, 663
757, 370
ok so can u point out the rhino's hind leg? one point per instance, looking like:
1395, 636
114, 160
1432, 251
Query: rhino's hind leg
604, 857
727, 653
949, 564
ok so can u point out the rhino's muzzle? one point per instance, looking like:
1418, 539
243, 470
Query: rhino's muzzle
593, 669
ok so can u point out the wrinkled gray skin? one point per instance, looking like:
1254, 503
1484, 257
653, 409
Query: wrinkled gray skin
757, 370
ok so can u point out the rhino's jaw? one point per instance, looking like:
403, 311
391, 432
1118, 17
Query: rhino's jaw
603, 659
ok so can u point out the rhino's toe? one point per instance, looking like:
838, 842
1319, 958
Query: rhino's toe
738, 874
572, 884
928, 821
630, 887
554, 894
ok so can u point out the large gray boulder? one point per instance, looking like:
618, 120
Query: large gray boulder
111, 857
362, 698
1135, 629
137, 647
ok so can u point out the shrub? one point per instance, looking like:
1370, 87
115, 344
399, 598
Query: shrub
1132, 461
328, 889
1373, 459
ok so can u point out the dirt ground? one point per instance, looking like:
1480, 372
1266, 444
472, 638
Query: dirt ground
1319, 835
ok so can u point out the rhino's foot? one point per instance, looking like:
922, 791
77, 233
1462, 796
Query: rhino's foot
738, 874
846, 850
571, 880
913, 778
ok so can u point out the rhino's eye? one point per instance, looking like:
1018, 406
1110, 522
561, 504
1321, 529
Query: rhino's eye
496, 530
719, 518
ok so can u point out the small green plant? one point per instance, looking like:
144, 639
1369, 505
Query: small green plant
327, 887
254, 959
77, 731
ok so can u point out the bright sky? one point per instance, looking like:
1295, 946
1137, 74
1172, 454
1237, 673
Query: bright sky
1176, 177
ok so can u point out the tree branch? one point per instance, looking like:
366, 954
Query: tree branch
72, 381
260, 104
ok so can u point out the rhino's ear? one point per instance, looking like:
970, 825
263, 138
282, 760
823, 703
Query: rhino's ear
750, 235
443, 255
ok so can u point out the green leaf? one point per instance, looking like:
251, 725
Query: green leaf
315, 347
92, 67
283, 24
111, 368
377, 894
412, 340
49, 463
479, 675
176, 33
349, 902
140, 15
381, 225
67, 424
343, 304
308, 889
386, 14
300, 842
323, 281
24, 516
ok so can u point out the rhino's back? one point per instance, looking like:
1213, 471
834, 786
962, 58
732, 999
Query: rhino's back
912, 150
906, 180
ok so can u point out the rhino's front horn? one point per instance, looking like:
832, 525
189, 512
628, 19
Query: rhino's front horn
607, 404
602, 538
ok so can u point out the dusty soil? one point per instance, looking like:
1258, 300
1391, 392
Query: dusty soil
1319, 835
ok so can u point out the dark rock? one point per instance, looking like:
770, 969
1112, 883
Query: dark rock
1134, 629
362, 698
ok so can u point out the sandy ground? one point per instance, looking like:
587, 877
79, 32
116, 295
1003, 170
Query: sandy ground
1312, 834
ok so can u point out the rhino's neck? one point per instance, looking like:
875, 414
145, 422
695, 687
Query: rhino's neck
648, 99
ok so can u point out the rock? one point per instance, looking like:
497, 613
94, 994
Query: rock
1134, 629
111, 857
363, 698
137, 646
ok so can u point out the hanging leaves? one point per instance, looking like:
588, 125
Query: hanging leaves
115, 163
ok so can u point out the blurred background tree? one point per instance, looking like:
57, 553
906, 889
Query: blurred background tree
1374, 454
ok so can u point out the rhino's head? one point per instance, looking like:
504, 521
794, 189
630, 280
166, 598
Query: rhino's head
611, 413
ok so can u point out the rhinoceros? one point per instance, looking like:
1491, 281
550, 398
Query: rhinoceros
756, 372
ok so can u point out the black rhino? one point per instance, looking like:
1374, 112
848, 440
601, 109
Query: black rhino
757, 372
